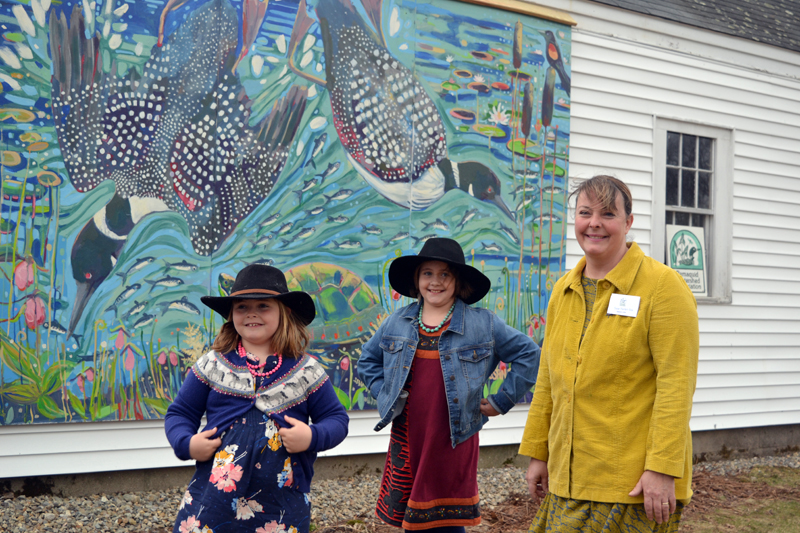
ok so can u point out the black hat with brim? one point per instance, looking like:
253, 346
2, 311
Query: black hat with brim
401, 271
263, 282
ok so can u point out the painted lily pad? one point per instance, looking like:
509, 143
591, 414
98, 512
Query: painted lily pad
490, 131
30, 137
518, 147
11, 159
482, 55
17, 115
450, 86
521, 76
462, 73
548, 169
48, 178
37, 147
479, 86
500, 86
462, 114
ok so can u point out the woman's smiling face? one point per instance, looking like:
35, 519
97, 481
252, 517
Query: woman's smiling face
601, 231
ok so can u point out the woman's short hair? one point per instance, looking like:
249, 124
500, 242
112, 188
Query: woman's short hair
605, 189
290, 339
462, 289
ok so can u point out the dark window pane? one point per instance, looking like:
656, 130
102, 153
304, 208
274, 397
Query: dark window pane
687, 188
673, 148
682, 219
706, 153
668, 217
689, 152
704, 190
672, 186
698, 221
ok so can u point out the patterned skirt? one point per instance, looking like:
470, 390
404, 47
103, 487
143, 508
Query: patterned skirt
557, 514
247, 486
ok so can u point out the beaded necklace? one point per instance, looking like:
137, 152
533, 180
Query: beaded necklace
254, 368
437, 328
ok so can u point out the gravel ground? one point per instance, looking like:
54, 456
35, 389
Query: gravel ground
334, 501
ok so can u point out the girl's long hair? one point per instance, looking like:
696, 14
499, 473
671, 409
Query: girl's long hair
290, 339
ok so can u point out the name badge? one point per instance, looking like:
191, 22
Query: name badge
623, 304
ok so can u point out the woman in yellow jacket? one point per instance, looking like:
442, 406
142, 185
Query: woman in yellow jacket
608, 429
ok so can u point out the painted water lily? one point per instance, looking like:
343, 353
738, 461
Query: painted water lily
345, 364
162, 358
120, 340
479, 78
498, 115
34, 312
173, 358
23, 274
450, 59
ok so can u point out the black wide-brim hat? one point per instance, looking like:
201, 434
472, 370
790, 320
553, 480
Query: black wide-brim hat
401, 271
255, 282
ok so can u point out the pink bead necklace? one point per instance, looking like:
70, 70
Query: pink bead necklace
254, 368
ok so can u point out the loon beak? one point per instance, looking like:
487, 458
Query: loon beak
82, 297
498, 201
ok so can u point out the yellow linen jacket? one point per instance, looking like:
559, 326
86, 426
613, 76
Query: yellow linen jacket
607, 409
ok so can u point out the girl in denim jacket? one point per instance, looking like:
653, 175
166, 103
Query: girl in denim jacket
427, 366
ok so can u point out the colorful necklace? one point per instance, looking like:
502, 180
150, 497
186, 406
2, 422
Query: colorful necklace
437, 328
254, 368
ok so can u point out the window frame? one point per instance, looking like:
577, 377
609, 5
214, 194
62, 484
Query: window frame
720, 237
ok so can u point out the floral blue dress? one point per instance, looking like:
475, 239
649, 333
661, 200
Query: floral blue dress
247, 486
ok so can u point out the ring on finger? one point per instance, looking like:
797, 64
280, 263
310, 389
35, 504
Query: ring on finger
664, 503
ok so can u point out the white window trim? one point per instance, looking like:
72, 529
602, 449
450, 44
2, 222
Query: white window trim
721, 236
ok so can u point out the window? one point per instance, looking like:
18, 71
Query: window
693, 186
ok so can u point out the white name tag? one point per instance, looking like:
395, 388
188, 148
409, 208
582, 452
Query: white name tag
623, 304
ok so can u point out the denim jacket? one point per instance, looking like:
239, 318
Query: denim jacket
469, 351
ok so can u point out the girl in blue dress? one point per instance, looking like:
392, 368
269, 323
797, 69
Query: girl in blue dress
270, 409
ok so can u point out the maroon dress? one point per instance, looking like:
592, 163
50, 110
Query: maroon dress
426, 482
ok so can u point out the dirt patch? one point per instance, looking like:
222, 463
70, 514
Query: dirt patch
766, 490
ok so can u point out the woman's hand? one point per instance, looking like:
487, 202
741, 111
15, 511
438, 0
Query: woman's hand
487, 409
202, 446
659, 495
537, 479
297, 438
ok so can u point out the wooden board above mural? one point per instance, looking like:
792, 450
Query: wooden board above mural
150, 150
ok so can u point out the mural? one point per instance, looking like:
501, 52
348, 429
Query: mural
152, 149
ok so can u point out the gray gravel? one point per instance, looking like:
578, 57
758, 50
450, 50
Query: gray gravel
334, 501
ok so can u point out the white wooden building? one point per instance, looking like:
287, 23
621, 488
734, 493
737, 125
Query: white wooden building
635, 77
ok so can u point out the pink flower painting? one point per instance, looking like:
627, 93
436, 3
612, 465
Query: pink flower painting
34, 312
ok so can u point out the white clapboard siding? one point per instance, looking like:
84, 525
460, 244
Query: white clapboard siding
627, 68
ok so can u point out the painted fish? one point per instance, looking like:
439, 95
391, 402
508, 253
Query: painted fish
146, 319
306, 232
372, 230
183, 266
424, 238
58, 329
167, 281
262, 241
127, 293
138, 265
270, 221
341, 219
467, 216
525, 203
135, 310
314, 212
332, 167
510, 232
547, 218
527, 187
319, 144
264, 261
179, 305
286, 228
491, 247
436, 224
347, 245
339, 195
307, 185
555, 190
398, 237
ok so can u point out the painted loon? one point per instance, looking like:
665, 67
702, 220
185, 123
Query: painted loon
177, 137
387, 123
